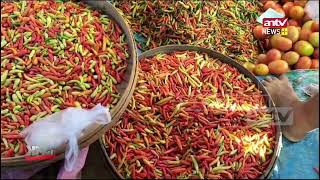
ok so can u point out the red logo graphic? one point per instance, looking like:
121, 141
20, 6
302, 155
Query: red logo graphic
275, 22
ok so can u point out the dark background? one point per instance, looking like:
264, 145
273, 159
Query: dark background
94, 168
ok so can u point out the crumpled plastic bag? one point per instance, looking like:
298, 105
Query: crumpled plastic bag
76, 173
63, 127
311, 89
30, 171
312, 9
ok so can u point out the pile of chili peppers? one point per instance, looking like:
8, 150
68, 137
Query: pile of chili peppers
55, 55
224, 26
192, 116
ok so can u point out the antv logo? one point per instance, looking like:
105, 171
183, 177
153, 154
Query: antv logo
275, 26
275, 22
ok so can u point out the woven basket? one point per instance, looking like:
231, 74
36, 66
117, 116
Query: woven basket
224, 59
126, 88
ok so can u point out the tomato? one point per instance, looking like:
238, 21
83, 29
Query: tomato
301, 3
287, 6
304, 48
261, 70
304, 34
315, 26
296, 12
249, 66
304, 62
307, 25
293, 22
278, 67
291, 57
314, 64
280, 43
258, 32
314, 39
280, 10
269, 4
273, 54
293, 33
262, 59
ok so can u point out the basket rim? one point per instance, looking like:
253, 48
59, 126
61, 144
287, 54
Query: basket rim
225, 59
108, 9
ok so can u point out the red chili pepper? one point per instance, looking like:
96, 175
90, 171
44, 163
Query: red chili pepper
190, 124
12, 136
178, 142
178, 170
37, 51
40, 157
9, 153
22, 148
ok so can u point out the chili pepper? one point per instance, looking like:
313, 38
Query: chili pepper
12, 136
201, 132
224, 26
178, 170
42, 55
9, 153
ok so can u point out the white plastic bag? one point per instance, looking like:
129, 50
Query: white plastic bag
64, 127
311, 89
312, 9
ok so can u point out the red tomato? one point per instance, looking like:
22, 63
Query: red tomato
269, 4
258, 32
287, 6
261, 70
262, 59
315, 26
314, 64
303, 63
273, 54
293, 22
278, 67
301, 3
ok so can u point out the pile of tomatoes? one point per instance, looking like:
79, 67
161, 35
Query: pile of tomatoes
298, 49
